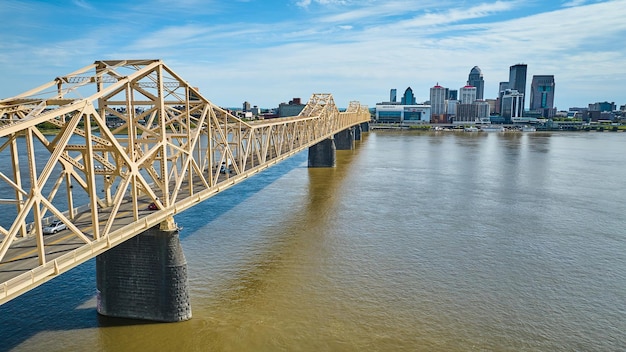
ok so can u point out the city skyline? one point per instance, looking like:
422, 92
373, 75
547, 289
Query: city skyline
267, 52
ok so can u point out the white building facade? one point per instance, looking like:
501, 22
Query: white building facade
409, 114
467, 94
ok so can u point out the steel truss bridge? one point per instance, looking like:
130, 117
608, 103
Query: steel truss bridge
126, 134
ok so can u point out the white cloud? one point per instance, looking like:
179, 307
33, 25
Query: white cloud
307, 3
574, 3
304, 3
83, 4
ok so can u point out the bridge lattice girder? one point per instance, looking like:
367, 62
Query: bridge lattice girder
129, 133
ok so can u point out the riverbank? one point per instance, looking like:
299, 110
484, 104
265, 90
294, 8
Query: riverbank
478, 128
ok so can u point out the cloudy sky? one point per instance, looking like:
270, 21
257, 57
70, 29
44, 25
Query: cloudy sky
269, 51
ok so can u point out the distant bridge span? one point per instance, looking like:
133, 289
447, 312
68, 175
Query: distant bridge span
167, 147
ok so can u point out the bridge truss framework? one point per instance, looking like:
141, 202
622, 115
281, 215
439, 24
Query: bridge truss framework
142, 135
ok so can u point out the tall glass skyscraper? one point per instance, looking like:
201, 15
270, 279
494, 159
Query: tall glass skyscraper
408, 98
517, 79
475, 79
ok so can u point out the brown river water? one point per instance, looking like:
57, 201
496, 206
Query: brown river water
414, 242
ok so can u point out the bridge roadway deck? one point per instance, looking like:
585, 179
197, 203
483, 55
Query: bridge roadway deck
22, 256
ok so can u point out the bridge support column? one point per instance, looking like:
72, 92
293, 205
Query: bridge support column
365, 127
357, 132
344, 140
145, 278
323, 154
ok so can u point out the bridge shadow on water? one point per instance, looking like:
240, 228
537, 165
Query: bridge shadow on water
68, 302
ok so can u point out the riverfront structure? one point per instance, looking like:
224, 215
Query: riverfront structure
401, 113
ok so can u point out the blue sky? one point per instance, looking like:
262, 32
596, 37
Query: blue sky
268, 51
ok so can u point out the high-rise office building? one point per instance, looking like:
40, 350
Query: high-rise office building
501, 89
393, 95
512, 105
517, 79
409, 97
468, 94
542, 92
438, 100
475, 79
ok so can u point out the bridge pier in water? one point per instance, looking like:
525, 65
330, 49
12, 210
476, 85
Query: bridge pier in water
357, 132
145, 277
323, 154
344, 140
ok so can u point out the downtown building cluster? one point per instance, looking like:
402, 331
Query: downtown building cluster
468, 105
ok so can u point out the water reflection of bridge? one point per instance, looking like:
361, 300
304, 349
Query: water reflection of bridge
99, 179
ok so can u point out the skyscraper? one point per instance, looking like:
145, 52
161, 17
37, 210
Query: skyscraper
517, 80
475, 79
438, 100
542, 93
392, 95
512, 107
408, 98
501, 89
468, 94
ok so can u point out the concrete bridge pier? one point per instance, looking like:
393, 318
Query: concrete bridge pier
357, 132
365, 127
323, 154
145, 277
344, 140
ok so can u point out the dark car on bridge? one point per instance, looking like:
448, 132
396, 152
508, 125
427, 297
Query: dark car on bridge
225, 169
